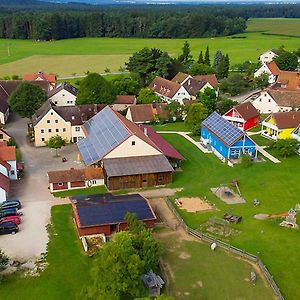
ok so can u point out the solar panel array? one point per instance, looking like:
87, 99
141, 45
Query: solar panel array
223, 129
104, 132
113, 212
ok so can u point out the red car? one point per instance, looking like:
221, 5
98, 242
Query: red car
15, 219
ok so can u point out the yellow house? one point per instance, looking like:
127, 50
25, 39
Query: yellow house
280, 125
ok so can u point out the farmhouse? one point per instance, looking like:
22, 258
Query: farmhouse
129, 158
268, 56
181, 78
66, 121
270, 69
147, 113
4, 187
210, 78
287, 80
193, 87
8, 158
122, 102
244, 116
75, 178
63, 94
224, 139
169, 91
105, 213
281, 125
41, 76
4, 136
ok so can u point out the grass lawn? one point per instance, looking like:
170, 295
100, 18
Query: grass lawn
68, 269
176, 126
281, 26
275, 185
196, 270
260, 140
66, 57
78, 192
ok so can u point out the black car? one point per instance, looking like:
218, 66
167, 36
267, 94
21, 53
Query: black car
11, 204
7, 212
8, 227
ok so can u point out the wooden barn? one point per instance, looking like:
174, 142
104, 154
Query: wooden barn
105, 213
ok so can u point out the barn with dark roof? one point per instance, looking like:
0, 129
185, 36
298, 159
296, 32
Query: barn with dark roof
105, 213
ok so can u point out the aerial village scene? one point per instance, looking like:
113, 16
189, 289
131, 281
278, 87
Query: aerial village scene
174, 177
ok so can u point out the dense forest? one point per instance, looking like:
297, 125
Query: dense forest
31, 19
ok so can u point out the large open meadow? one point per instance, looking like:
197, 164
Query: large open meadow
76, 56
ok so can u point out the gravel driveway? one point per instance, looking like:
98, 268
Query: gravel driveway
33, 192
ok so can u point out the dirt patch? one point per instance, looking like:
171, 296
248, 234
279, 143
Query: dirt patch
184, 255
227, 195
261, 216
200, 283
193, 204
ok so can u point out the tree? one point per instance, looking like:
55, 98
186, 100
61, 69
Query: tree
287, 61
175, 110
94, 89
246, 161
27, 99
163, 65
196, 114
116, 271
217, 59
55, 142
147, 96
206, 57
235, 84
3, 261
186, 58
262, 80
285, 147
125, 85
223, 67
225, 104
200, 58
209, 99
201, 69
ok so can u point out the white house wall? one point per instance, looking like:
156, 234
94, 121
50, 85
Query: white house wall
3, 170
265, 104
127, 149
267, 57
264, 69
63, 98
13, 175
180, 95
2, 195
77, 134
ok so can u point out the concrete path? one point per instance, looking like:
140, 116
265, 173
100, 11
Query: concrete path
186, 136
253, 133
267, 155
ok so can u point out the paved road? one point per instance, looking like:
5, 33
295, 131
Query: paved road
33, 191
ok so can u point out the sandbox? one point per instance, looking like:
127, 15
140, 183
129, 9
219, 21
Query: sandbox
227, 195
193, 204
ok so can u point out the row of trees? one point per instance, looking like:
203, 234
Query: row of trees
112, 23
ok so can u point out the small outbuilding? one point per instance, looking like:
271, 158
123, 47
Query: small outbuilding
105, 213
153, 283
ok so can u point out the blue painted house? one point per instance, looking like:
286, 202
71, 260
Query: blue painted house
225, 140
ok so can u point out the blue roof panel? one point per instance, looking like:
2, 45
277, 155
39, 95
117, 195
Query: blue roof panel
222, 129
109, 209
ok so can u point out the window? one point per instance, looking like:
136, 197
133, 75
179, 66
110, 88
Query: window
1, 136
77, 128
55, 102
63, 95
60, 184
133, 143
48, 121
64, 129
12, 172
43, 139
42, 130
56, 121
94, 181
49, 130
57, 130
269, 100
51, 115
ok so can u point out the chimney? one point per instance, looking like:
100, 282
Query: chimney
145, 131
95, 109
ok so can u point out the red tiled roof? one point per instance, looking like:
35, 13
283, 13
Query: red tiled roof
125, 99
180, 77
211, 78
284, 97
146, 112
4, 182
247, 110
164, 87
290, 79
161, 143
273, 68
289, 119
74, 175
48, 77
8, 153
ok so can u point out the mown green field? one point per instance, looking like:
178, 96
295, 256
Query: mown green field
67, 57
275, 26
277, 188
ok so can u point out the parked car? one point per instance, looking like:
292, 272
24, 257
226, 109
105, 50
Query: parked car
11, 204
8, 227
15, 219
9, 212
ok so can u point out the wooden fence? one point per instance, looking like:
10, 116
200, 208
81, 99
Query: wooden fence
244, 254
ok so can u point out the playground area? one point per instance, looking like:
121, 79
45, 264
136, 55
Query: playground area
193, 204
227, 195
